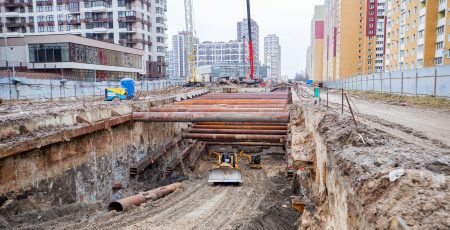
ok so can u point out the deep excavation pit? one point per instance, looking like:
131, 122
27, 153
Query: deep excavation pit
69, 184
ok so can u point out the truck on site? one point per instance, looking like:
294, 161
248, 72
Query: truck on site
126, 91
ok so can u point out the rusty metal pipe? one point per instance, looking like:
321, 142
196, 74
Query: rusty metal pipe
242, 123
239, 131
181, 109
243, 97
245, 143
255, 127
211, 116
232, 102
234, 137
230, 106
136, 200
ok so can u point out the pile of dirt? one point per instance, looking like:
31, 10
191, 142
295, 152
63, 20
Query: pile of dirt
366, 157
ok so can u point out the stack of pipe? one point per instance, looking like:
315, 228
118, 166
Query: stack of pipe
228, 117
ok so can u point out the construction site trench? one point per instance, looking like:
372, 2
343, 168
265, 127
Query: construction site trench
62, 166
146, 163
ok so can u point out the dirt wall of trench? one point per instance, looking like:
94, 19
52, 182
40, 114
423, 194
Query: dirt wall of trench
343, 175
83, 169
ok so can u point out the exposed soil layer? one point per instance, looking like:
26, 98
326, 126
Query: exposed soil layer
358, 193
260, 202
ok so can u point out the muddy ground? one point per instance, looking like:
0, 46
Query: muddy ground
260, 202
363, 156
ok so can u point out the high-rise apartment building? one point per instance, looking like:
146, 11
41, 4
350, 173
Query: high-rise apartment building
372, 39
272, 56
317, 44
417, 34
343, 38
179, 63
134, 24
242, 31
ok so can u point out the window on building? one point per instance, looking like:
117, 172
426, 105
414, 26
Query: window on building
50, 29
420, 49
41, 29
439, 45
440, 30
438, 61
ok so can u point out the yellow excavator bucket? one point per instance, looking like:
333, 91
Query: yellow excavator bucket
224, 175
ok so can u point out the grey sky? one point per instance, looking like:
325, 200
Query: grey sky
215, 20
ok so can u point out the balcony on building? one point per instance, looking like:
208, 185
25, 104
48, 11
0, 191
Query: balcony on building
442, 6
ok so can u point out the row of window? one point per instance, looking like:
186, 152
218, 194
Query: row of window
71, 52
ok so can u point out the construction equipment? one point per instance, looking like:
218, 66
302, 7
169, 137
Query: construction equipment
194, 77
227, 169
253, 160
121, 93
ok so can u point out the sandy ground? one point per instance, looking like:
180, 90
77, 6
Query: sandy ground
260, 202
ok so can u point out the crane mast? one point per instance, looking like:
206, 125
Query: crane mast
193, 75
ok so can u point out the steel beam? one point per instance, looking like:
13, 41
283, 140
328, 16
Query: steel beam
235, 137
230, 106
232, 102
240, 131
211, 116
245, 143
242, 123
255, 127
213, 109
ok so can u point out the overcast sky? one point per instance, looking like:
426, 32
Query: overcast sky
215, 20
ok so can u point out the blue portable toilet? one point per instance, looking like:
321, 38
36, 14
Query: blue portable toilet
128, 83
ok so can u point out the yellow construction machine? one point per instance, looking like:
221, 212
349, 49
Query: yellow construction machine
253, 160
227, 169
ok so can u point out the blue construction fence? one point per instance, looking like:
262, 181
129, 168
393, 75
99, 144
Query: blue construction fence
433, 81
49, 89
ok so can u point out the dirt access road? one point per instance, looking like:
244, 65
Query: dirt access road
260, 202
420, 125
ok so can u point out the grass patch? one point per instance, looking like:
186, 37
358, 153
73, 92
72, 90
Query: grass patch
427, 101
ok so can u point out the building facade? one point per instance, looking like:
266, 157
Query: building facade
272, 56
317, 44
135, 24
74, 57
242, 36
417, 35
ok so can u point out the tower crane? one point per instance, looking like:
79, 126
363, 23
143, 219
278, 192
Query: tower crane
194, 77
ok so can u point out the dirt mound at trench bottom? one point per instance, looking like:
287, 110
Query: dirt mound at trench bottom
420, 197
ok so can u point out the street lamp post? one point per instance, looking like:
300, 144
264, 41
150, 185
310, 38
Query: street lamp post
13, 66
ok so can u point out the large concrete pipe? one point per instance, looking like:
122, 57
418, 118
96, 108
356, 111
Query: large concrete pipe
239, 131
211, 116
232, 102
254, 127
136, 200
234, 137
